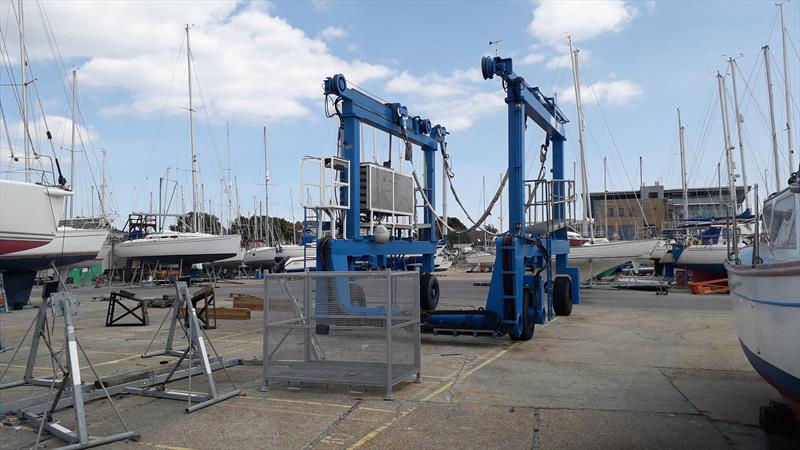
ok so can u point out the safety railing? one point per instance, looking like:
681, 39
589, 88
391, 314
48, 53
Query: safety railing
550, 205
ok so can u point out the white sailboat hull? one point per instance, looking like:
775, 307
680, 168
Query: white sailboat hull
29, 215
186, 248
70, 246
259, 257
767, 307
703, 255
234, 261
290, 251
614, 249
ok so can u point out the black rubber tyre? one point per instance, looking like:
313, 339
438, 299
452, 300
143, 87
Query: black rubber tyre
527, 324
428, 292
357, 297
562, 296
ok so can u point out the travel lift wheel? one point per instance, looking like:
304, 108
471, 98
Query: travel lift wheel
527, 320
428, 292
562, 295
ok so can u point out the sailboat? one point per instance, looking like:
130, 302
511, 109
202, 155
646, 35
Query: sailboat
764, 279
590, 254
182, 247
288, 257
704, 259
29, 214
765, 285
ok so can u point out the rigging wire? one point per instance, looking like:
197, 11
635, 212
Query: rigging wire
611, 136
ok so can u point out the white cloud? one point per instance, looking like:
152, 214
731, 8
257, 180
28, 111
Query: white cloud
583, 20
455, 101
564, 61
321, 5
60, 128
617, 92
533, 58
251, 66
331, 32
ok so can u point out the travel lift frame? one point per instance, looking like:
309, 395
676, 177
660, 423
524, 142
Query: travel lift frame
393, 119
516, 299
353, 249
517, 292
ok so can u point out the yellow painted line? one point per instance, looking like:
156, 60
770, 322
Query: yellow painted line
437, 377
239, 342
234, 335
452, 376
166, 447
113, 353
310, 403
114, 361
371, 435
291, 411
24, 367
480, 366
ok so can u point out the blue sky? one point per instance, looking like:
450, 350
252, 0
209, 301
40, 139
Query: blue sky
263, 64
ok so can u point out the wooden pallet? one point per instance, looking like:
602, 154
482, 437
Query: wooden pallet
249, 302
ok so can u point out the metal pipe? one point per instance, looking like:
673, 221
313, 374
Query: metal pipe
195, 207
72, 147
24, 69
739, 131
683, 170
772, 118
787, 94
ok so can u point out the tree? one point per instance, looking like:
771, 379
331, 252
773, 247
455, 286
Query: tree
206, 222
455, 224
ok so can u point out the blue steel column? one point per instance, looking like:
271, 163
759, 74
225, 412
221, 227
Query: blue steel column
430, 192
352, 153
559, 188
516, 161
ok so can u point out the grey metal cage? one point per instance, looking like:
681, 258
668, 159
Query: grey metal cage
351, 328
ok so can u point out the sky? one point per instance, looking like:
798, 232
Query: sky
262, 64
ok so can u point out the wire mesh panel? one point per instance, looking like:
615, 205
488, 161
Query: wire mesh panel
353, 328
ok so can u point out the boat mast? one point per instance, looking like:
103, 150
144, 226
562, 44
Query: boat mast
195, 207
228, 181
605, 198
24, 69
72, 147
739, 132
268, 230
723, 105
683, 170
294, 232
772, 119
586, 226
787, 94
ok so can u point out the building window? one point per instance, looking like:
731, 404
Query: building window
652, 194
622, 212
610, 212
628, 232
630, 212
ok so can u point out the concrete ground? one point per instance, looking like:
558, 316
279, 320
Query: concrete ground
625, 370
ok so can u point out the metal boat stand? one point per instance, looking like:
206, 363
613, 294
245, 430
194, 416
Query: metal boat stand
70, 387
196, 349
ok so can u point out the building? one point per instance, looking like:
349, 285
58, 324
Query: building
653, 210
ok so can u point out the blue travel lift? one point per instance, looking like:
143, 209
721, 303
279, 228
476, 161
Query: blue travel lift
519, 296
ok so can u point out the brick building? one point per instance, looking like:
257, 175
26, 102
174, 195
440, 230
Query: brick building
653, 210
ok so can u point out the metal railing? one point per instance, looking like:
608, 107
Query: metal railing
544, 197
351, 328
